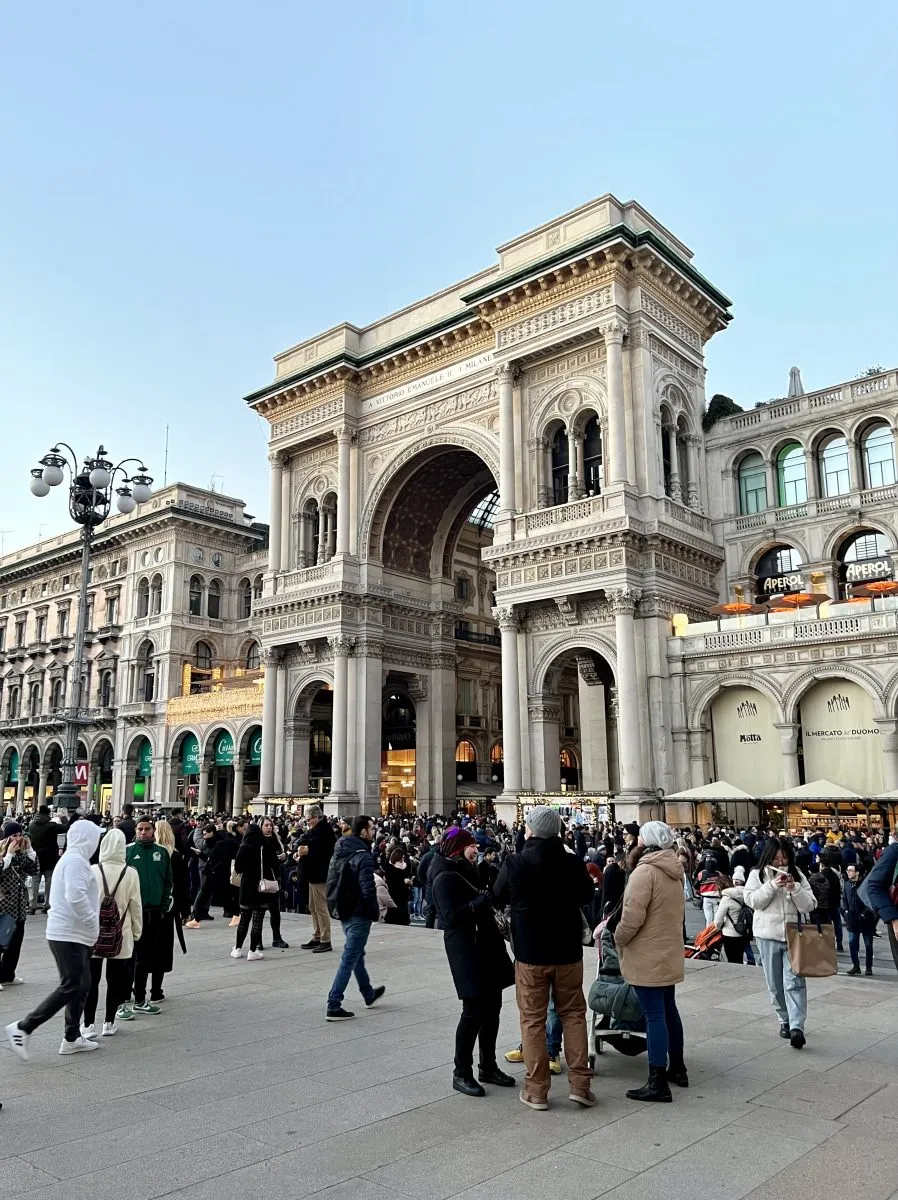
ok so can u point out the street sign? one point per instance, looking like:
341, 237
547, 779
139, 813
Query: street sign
81, 771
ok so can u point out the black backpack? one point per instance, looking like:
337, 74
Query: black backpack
744, 922
343, 889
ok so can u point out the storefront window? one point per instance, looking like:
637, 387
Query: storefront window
864, 558
779, 572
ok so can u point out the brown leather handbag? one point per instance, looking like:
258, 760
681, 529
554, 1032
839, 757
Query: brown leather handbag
812, 948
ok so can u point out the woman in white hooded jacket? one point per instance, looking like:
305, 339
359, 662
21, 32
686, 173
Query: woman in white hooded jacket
114, 877
777, 892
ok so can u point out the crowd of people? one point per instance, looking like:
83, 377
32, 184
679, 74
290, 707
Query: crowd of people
515, 907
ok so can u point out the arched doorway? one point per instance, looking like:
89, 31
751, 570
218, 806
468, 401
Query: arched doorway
103, 757
52, 766
465, 761
247, 768
399, 741
570, 770
186, 760
143, 771
221, 782
321, 716
29, 769
9, 768
573, 725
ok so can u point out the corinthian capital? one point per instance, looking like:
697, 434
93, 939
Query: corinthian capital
344, 435
624, 599
613, 332
270, 656
505, 618
342, 646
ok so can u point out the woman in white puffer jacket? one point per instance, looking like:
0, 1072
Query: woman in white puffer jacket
777, 892
114, 876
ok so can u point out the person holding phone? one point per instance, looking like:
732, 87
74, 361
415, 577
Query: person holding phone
776, 892
18, 863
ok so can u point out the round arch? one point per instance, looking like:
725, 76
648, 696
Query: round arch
754, 556
564, 400
400, 468
860, 426
835, 540
793, 694
300, 702
561, 645
740, 454
133, 744
820, 436
246, 735
705, 697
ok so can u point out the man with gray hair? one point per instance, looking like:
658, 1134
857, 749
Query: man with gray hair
314, 854
545, 887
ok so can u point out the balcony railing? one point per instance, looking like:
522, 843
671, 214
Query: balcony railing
810, 404
560, 514
865, 498
831, 622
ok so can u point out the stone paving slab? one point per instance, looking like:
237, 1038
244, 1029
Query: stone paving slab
240, 1088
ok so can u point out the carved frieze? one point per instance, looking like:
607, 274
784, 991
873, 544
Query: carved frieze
557, 317
673, 324
437, 412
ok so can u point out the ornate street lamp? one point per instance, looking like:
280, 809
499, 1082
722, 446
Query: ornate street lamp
90, 500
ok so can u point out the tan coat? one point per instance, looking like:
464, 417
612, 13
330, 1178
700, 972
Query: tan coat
650, 934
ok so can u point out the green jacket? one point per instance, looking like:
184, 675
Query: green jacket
153, 866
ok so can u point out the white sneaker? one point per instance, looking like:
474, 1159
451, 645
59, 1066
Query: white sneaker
110, 1029
18, 1041
88, 1031
15, 982
236, 954
254, 955
79, 1046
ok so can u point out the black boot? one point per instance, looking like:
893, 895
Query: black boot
495, 1076
655, 1089
467, 1085
676, 1072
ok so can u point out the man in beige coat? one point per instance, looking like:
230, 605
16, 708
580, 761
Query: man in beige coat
649, 939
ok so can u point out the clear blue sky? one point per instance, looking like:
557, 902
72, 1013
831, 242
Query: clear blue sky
190, 187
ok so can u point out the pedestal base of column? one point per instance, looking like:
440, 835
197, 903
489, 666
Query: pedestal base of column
637, 806
340, 804
506, 807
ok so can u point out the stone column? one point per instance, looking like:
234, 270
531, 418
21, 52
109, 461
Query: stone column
202, 795
526, 766
237, 796
296, 757
682, 778
331, 534
670, 432
270, 658
855, 476
545, 743
549, 483
613, 333
91, 784
772, 490
575, 488
693, 493
624, 601
322, 535
344, 441
697, 758
280, 719
788, 748
275, 511
369, 717
342, 648
593, 733
286, 505
888, 729
42, 778
581, 468
20, 788
505, 515
535, 446
354, 497
511, 701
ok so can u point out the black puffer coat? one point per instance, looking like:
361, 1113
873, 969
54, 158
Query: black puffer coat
476, 950
256, 854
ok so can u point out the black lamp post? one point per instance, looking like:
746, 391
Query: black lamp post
90, 500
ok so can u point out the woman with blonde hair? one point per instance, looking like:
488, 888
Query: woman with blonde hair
165, 836
18, 862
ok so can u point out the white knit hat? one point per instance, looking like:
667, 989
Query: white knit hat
657, 836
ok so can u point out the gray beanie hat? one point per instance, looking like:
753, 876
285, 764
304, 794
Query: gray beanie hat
543, 822
657, 836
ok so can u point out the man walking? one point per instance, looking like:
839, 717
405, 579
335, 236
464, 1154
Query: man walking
44, 837
73, 927
352, 899
314, 854
545, 887
152, 863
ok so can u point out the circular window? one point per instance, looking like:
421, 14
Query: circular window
157, 554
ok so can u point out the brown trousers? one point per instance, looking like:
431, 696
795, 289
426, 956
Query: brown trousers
321, 918
533, 984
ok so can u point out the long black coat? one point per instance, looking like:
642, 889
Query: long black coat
546, 888
476, 951
255, 854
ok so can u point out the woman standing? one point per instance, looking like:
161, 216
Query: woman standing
257, 859
180, 909
730, 918
121, 881
477, 959
398, 875
274, 846
649, 938
777, 891
18, 862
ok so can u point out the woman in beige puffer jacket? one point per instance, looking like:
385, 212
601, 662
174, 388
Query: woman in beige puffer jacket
649, 939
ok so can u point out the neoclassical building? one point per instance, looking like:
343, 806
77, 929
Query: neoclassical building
485, 511
172, 683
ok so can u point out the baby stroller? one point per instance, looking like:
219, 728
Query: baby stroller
707, 945
616, 1014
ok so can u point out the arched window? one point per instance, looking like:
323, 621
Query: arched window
320, 741
864, 558
835, 475
146, 673
752, 484
465, 752
195, 599
560, 470
879, 456
34, 699
202, 656
13, 703
143, 598
791, 476
156, 596
213, 608
57, 694
253, 658
779, 572
257, 588
106, 682
496, 754
244, 600
592, 457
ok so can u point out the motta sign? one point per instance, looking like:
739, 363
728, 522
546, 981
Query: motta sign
857, 572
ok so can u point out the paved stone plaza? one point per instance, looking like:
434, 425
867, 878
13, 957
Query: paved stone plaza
240, 1089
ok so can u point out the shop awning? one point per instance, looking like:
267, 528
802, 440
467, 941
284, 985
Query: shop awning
712, 791
820, 789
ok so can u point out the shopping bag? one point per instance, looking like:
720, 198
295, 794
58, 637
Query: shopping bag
812, 948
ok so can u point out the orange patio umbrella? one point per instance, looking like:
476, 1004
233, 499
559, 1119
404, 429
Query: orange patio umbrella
735, 608
880, 587
797, 600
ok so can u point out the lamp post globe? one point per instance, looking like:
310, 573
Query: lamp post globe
52, 474
39, 485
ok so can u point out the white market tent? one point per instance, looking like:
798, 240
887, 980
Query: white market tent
685, 808
888, 796
712, 791
819, 790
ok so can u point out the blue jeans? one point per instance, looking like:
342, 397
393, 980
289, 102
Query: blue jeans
854, 945
788, 991
352, 963
836, 918
662, 1022
553, 1028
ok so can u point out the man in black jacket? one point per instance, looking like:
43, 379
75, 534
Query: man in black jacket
545, 887
424, 881
352, 898
44, 836
314, 854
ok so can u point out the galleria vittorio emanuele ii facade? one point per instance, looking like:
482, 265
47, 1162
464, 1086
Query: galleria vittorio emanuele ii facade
498, 527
